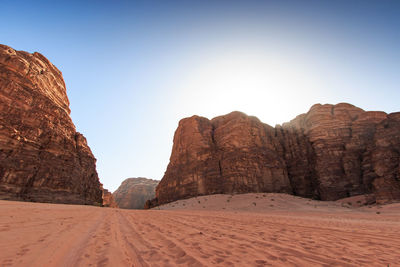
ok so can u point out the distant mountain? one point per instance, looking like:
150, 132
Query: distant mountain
108, 199
134, 192
330, 152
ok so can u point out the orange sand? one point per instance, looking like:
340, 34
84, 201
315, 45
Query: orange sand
278, 230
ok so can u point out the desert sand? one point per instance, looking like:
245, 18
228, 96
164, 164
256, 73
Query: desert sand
217, 230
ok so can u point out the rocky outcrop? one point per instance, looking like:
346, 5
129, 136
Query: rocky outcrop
229, 154
108, 199
134, 192
382, 160
331, 152
42, 156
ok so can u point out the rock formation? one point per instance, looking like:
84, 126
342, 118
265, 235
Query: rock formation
108, 199
42, 157
134, 192
331, 152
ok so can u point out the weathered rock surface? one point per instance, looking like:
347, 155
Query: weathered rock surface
42, 157
108, 199
134, 192
331, 152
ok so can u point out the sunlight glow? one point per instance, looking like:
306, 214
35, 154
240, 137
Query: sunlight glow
268, 86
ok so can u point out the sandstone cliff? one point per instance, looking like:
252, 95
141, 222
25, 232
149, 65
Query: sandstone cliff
108, 199
331, 152
42, 156
134, 192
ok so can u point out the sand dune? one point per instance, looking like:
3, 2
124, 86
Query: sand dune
291, 232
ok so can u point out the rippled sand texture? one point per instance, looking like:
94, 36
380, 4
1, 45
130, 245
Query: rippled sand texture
315, 234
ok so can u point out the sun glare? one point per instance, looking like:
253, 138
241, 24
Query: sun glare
258, 84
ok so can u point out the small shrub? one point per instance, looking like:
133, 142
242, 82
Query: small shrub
254, 203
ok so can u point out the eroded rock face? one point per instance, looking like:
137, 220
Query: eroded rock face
229, 154
42, 156
108, 199
134, 192
336, 139
384, 156
331, 152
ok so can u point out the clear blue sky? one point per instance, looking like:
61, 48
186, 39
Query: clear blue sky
134, 69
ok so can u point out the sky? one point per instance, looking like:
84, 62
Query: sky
133, 69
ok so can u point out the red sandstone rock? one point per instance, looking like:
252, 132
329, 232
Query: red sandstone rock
335, 138
331, 152
42, 157
108, 199
229, 154
384, 155
134, 192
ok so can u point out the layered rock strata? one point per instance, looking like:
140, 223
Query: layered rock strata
331, 152
134, 192
42, 157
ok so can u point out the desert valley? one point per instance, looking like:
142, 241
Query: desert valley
321, 190
217, 230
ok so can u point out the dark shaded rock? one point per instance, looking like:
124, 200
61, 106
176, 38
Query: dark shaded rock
384, 156
329, 160
134, 192
150, 203
42, 157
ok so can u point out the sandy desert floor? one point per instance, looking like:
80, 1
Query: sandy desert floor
220, 230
